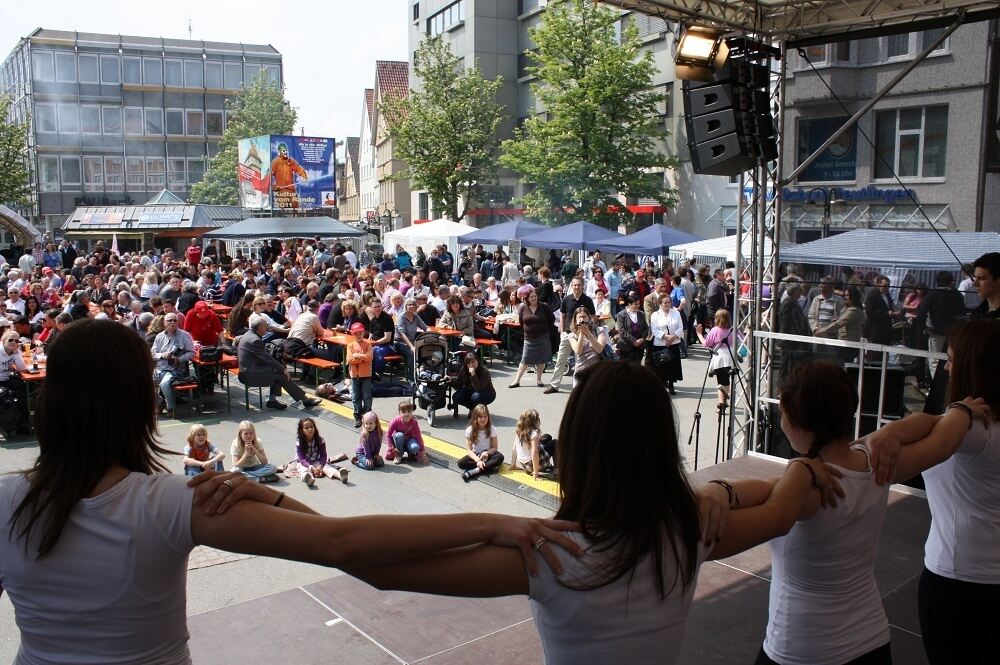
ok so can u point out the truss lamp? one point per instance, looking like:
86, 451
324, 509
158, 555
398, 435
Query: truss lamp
700, 51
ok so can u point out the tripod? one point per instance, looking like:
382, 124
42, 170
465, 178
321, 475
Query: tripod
695, 434
724, 431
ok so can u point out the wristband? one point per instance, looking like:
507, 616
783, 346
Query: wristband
808, 468
734, 498
964, 407
281, 497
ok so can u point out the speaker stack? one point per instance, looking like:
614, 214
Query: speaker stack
728, 120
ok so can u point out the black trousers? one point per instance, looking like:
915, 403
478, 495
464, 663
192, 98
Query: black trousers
880, 656
493, 462
958, 620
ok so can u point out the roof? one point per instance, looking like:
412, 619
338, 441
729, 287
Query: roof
820, 20
155, 217
370, 106
353, 155
891, 248
163, 197
71, 37
257, 228
392, 78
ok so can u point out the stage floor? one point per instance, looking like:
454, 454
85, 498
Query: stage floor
342, 620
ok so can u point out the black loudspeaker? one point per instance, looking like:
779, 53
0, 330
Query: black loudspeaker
729, 126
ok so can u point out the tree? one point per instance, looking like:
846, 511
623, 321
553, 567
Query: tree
446, 133
600, 134
258, 108
15, 187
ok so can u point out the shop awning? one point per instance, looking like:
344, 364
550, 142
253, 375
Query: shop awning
260, 228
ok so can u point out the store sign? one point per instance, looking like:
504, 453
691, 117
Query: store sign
162, 218
870, 193
106, 218
839, 161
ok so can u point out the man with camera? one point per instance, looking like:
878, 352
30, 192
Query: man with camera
172, 349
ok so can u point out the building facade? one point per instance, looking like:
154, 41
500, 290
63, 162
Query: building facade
392, 80
348, 201
496, 36
368, 202
115, 119
929, 136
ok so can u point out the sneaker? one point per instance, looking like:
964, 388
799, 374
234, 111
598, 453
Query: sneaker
466, 476
310, 402
308, 478
272, 478
343, 474
399, 458
357, 422
275, 404
424, 459
550, 390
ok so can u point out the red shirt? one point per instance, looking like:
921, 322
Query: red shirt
193, 255
203, 329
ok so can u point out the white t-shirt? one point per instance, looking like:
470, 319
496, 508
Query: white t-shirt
615, 623
114, 588
352, 258
10, 363
523, 449
964, 497
825, 607
482, 442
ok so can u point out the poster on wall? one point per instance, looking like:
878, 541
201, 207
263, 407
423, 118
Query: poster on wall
288, 172
253, 171
838, 163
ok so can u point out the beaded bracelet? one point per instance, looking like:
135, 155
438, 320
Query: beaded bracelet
281, 497
734, 498
807, 466
963, 407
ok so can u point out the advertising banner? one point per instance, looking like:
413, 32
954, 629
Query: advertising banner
838, 162
289, 172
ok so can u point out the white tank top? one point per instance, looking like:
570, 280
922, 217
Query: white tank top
964, 497
825, 608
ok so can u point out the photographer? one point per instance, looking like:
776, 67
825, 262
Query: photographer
172, 349
587, 339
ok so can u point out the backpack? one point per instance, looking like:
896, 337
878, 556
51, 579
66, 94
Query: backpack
285, 350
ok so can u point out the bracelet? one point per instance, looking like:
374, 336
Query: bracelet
281, 497
964, 407
808, 468
734, 498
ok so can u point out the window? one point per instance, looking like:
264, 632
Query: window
133, 121
195, 123
234, 75
446, 19
213, 123
48, 174
194, 74
901, 47
250, 72
70, 171
155, 178
93, 174
45, 119
196, 170
132, 71
109, 69
90, 119
416, 10
897, 46
173, 73
911, 142
112, 119
135, 175
825, 54
88, 69
274, 75
213, 74
154, 122
42, 68
176, 174
114, 170
69, 119
152, 71
175, 122
927, 38
66, 67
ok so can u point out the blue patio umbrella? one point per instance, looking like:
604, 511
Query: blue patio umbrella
654, 240
499, 234
579, 235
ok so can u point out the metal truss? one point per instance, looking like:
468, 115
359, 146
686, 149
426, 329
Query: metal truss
798, 20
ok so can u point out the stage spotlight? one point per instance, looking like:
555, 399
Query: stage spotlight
700, 52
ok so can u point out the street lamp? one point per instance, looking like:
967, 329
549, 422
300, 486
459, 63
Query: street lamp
828, 203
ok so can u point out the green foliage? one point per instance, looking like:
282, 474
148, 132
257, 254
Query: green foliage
601, 130
15, 187
446, 133
258, 108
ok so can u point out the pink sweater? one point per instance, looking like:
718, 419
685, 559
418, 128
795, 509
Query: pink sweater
410, 429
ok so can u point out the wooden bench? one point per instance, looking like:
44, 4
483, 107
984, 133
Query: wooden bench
393, 358
319, 364
188, 389
482, 344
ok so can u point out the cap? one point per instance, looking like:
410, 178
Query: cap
356, 328
46, 270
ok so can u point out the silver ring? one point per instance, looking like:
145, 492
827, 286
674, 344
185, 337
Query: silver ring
539, 542
228, 483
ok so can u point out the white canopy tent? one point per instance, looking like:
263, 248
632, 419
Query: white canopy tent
713, 250
427, 235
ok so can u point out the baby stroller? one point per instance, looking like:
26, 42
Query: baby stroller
430, 360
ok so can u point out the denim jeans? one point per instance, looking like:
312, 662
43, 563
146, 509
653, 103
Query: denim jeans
166, 387
368, 463
403, 349
195, 470
361, 396
404, 445
379, 352
257, 471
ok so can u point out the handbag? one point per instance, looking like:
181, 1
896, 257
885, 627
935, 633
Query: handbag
661, 356
210, 354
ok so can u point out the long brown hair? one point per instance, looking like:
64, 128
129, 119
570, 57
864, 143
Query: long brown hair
73, 459
627, 509
479, 410
820, 398
975, 363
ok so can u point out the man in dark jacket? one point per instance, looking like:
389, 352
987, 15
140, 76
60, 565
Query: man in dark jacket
792, 321
234, 289
259, 368
940, 310
880, 309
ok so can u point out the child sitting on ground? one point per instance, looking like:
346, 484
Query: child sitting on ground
370, 445
533, 452
483, 454
403, 436
249, 457
310, 455
199, 453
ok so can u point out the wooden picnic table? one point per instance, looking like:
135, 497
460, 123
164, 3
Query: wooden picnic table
30, 377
